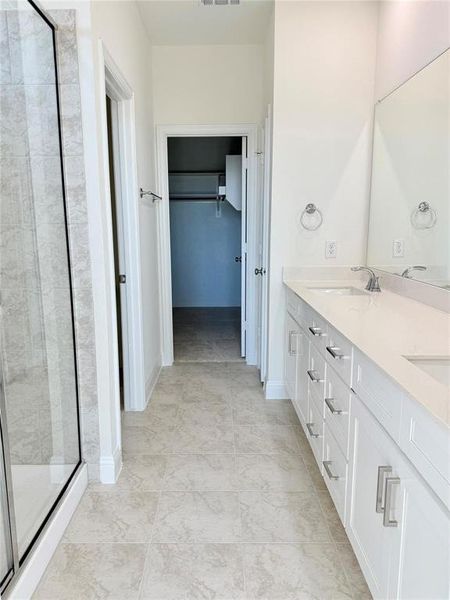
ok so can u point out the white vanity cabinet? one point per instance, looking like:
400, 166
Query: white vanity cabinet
399, 530
384, 460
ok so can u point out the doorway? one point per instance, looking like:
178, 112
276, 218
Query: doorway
207, 200
249, 241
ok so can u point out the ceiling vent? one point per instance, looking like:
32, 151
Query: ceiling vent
220, 2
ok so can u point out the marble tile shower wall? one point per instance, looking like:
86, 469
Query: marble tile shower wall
36, 328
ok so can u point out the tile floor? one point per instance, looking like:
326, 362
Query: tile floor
207, 334
219, 498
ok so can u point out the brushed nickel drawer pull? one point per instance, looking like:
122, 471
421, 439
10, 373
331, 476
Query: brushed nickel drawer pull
382, 471
317, 331
314, 376
387, 521
326, 465
336, 352
309, 427
333, 410
292, 352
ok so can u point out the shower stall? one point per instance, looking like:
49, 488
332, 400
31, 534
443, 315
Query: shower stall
39, 417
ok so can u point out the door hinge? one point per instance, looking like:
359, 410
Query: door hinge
122, 278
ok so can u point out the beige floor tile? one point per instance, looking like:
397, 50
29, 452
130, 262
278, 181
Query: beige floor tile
294, 572
153, 414
274, 472
282, 517
157, 438
140, 472
265, 412
205, 393
332, 518
204, 415
201, 439
316, 476
201, 472
93, 571
353, 572
113, 517
197, 517
193, 572
265, 439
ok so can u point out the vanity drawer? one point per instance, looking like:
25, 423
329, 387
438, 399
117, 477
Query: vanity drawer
337, 409
316, 372
381, 396
427, 444
314, 430
316, 327
339, 353
335, 471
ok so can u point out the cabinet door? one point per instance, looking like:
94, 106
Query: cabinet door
301, 401
290, 356
424, 561
375, 545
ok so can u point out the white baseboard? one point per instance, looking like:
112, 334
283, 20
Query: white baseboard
275, 390
110, 467
38, 560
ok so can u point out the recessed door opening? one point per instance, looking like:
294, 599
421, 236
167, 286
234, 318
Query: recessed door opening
207, 197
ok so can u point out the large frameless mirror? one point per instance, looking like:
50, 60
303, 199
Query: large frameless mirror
410, 197
38, 394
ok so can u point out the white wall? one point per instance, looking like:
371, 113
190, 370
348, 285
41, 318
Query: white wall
118, 25
208, 84
410, 35
323, 102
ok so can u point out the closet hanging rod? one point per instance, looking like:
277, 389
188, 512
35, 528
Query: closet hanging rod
184, 198
197, 173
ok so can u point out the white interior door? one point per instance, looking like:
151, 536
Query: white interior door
265, 225
244, 233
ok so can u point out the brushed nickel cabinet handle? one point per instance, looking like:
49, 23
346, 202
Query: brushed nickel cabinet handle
382, 472
336, 352
333, 410
292, 352
314, 376
387, 521
309, 427
326, 465
317, 331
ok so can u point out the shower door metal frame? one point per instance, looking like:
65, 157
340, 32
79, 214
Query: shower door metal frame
19, 562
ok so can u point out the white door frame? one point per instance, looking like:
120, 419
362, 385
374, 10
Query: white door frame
163, 132
115, 85
265, 242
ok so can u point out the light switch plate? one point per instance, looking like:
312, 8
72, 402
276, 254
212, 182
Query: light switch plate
398, 248
330, 249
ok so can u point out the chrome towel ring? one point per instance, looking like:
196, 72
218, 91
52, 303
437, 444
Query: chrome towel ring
423, 217
311, 217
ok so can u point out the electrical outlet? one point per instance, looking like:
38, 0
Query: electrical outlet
330, 249
398, 249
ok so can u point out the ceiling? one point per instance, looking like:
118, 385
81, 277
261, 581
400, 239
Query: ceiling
188, 22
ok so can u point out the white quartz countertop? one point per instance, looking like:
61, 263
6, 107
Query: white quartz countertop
386, 327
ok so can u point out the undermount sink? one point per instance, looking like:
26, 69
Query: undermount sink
437, 367
339, 291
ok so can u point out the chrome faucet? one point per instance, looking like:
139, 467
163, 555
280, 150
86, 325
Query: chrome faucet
406, 272
373, 285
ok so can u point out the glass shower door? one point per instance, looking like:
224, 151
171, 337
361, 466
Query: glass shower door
37, 349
